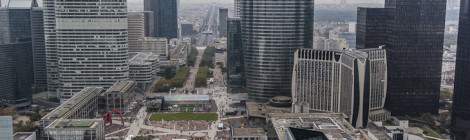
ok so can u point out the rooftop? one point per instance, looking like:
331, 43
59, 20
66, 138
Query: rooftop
122, 86
23, 135
333, 125
244, 132
187, 98
261, 110
22, 3
142, 58
72, 103
76, 123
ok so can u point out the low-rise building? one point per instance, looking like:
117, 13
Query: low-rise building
143, 68
119, 96
82, 105
24, 136
332, 126
248, 134
76, 129
198, 103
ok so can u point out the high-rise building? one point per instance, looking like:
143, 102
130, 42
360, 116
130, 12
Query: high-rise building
6, 127
165, 17
235, 74
223, 15
39, 50
158, 46
237, 8
136, 29
461, 104
415, 47
371, 27
272, 30
87, 49
413, 33
345, 81
17, 21
149, 23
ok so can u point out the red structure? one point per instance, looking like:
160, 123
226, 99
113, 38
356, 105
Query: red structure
108, 117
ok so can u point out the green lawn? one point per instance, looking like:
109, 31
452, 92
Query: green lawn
184, 116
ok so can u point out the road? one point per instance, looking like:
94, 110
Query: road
138, 122
190, 82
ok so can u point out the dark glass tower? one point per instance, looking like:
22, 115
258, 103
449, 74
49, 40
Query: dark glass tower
165, 16
461, 104
16, 52
235, 78
223, 15
415, 47
272, 31
371, 27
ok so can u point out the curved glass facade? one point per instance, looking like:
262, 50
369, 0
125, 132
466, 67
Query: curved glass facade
272, 31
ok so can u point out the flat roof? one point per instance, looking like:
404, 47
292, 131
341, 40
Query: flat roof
186, 98
22, 135
261, 110
142, 58
122, 86
333, 125
244, 132
76, 123
83, 96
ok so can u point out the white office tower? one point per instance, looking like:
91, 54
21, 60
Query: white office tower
136, 25
90, 43
339, 81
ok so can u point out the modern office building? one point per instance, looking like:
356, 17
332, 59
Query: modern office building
237, 8
6, 127
413, 33
165, 17
87, 49
119, 97
187, 29
339, 81
143, 68
75, 129
461, 104
235, 74
371, 27
83, 105
149, 23
222, 22
136, 30
415, 49
39, 50
272, 30
157, 46
18, 27
314, 126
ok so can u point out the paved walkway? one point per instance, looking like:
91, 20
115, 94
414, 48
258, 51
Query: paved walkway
191, 81
136, 125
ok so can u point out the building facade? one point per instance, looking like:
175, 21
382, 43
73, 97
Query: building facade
372, 26
165, 17
18, 21
235, 74
341, 81
87, 129
223, 15
415, 49
136, 29
158, 46
272, 30
87, 49
461, 106
143, 68
120, 96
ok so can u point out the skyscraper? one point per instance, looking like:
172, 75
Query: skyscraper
88, 49
39, 49
272, 30
415, 47
16, 52
223, 15
136, 29
235, 74
371, 27
461, 104
165, 17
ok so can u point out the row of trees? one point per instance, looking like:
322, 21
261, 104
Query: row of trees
177, 81
192, 57
208, 57
202, 76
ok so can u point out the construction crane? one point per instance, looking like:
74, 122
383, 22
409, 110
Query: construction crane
108, 117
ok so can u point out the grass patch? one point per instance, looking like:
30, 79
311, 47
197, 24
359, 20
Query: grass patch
202, 76
208, 57
429, 132
184, 116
